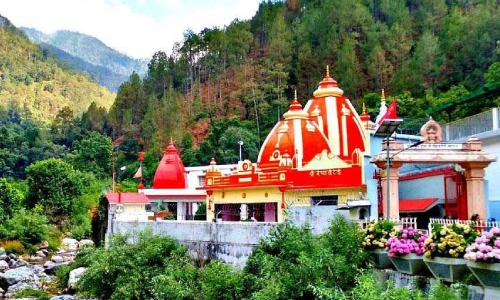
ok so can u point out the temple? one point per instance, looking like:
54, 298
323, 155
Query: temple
325, 154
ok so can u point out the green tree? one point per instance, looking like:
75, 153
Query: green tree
93, 154
55, 185
10, 200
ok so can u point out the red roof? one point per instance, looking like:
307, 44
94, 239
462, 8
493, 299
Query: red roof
417, 205
115, 198
170, 173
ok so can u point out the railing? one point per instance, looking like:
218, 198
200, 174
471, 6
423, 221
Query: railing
478, 225
400, 222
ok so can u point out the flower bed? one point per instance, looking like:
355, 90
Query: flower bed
406, 241
376, 234
485, 248
449, 240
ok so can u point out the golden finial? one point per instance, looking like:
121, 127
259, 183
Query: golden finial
295, 96
171, 140
327, 71
382, 97
364, 108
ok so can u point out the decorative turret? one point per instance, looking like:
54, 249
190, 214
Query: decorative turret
337, 119
328, 86
170, 173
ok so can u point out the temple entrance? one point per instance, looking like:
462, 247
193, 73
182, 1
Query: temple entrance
464, 194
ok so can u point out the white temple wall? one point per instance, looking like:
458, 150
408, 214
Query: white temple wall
231, 242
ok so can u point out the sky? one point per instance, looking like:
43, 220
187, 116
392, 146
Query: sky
137, 28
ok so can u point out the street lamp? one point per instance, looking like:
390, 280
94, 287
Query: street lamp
241, 144
386, 129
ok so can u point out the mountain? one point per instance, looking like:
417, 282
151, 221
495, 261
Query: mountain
86, 53
34, 82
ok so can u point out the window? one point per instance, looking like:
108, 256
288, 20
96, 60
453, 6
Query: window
201, 180
325, 200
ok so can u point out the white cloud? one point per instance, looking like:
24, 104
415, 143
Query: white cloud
138, 28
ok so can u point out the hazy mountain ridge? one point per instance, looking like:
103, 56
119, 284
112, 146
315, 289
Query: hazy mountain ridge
86, 53
35, 82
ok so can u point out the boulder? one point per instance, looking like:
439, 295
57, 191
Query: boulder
4, 266
70, 244
63, 297
74, 276
25, 274
86, 242
57, 259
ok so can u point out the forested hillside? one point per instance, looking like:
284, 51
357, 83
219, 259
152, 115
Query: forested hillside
223, 85
36, 84
425, 53
62, 136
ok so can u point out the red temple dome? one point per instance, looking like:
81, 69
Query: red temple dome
296, 139
170, 173
337, 119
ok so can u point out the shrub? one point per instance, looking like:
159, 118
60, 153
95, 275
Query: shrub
29, 292
14, 247
30, 227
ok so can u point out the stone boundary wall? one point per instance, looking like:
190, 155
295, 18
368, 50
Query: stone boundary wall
230, 242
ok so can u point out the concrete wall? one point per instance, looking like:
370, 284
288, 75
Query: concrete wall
230, 242
427, 187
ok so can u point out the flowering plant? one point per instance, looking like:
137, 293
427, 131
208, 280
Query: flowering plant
449, 240
486, 248
406, 241
376, 234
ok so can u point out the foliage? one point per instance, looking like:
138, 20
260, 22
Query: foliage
405, 241
14, 247
10, 200
132, 270
449, 240
220, 281
93, 154
292, 263
29, 293
376, 234
486, 248
55, 185
30, 227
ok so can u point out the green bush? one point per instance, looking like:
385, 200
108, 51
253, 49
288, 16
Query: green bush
29, 293
30, 227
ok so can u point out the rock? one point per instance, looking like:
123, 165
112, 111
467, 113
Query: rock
40, 253
57, 259
70, 244
74, 276
2, 251
24, 274
4, 257
48, 264
18, 263
12, 256
45, 251
4, 266
86, 242
63, 297
1, 291
43, 245
35, 259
